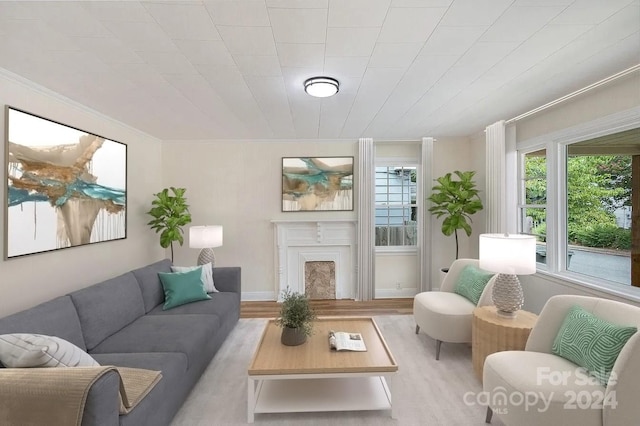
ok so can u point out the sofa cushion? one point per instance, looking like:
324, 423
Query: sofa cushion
182, 287
222, 304
149, 282
173, 365
107, 307
188, 334
471, 283
159, 406
57, 317
207, 275
19, 350
591, 342
551, 385
432, 309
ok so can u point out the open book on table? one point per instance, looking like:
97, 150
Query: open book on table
345, 341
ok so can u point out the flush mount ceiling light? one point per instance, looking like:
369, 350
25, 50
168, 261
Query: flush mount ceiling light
321, 87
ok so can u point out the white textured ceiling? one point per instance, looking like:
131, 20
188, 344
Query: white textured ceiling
234, 69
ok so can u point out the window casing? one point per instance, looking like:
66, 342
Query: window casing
396, 206
532, 207
564, 202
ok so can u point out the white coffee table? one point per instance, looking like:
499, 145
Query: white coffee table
311, 377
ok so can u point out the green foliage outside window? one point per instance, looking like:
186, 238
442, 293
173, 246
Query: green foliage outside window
604, 236
597, 185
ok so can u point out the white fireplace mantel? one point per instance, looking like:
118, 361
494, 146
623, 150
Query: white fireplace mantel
300, 241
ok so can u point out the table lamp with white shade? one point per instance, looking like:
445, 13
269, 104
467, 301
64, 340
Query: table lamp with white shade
205, 238
509, 255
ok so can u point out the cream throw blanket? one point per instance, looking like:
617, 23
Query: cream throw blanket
57, 396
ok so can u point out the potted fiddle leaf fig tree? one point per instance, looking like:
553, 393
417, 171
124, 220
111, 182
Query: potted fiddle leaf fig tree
170, 213
296, 318
456, 199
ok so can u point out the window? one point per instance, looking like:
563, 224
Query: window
576, 199
533, 206
598, 198
396, 208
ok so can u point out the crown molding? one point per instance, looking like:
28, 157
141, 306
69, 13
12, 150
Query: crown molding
28, 84
601, 126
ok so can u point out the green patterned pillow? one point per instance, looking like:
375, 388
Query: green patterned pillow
471, 283
591, 342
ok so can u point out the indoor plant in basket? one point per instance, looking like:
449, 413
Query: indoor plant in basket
456, 200
296, 318
170, 213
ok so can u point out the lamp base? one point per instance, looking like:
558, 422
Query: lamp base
505, 314
507, 295
206, 256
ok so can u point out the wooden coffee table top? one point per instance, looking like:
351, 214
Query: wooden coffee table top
315, 357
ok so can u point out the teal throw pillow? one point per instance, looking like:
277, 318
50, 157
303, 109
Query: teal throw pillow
591, 342
182, 287
471, 283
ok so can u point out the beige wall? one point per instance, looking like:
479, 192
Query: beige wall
29, 280
477, 149
451, 154
237, 184
620, 95
615, 97
396, 275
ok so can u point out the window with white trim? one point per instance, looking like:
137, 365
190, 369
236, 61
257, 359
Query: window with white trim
396, 209
532, 210
587, 231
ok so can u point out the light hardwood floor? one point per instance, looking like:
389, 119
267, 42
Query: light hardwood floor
332, 307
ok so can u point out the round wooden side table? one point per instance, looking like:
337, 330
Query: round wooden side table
492, 333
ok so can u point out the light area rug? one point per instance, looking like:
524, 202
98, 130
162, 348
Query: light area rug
425, 392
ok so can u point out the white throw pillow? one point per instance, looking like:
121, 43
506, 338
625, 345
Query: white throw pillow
37, 350
207, 275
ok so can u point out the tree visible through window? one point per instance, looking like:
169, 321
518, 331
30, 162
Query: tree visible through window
533, 210
396, 207
598, 198
598, 204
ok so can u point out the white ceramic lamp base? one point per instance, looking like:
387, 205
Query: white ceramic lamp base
507, 295
206, 256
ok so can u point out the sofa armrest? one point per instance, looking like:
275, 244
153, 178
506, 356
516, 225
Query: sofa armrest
102, 404
620, 398
227, 278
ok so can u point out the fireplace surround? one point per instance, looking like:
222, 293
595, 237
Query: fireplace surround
301, 241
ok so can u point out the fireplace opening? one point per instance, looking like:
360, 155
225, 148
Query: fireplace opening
320, 279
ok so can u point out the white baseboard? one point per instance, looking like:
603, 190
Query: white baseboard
385, 293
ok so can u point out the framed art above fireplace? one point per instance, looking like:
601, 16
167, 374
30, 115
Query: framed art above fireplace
317, 184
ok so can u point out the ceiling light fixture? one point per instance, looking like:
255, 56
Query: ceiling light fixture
321, 87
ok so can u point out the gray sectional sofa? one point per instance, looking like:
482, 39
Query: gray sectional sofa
121, 322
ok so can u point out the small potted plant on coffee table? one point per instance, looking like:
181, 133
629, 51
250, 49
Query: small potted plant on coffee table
296, 318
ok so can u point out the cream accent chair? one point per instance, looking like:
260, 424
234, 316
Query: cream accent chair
536, 371
444, 315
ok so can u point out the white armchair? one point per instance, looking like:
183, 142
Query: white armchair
444, 315
555, 390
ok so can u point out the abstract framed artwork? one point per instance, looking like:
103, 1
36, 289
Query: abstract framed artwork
317, 184
65, 187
